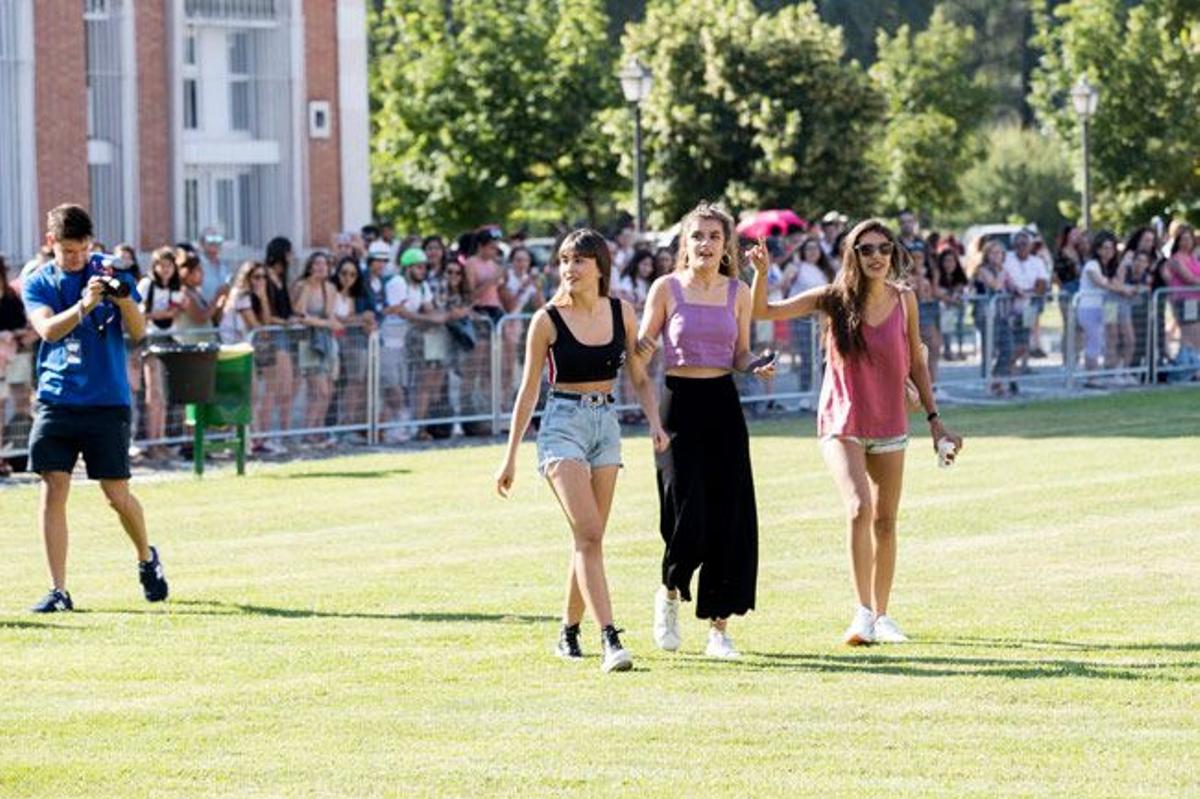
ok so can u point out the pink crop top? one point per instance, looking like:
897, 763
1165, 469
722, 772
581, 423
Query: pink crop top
701, 335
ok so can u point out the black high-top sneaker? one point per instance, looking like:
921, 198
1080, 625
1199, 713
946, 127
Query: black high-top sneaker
616, 657
568, 643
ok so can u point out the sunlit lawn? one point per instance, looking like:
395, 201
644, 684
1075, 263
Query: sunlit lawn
382, 626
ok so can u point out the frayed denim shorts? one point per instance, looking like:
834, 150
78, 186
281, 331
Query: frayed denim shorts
584, 428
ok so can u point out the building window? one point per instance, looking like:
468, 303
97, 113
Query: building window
17, 225
239, 81
108, 128
189, 48
191, 104
191, 209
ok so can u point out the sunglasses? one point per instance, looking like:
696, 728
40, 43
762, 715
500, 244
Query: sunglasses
457, 272
867, 250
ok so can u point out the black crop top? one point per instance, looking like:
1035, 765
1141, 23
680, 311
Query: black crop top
572, 362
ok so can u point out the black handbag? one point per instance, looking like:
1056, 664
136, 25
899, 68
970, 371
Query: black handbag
463, 333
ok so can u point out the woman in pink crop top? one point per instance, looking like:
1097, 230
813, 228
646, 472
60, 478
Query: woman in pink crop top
707, 515
1183, 271
873, 346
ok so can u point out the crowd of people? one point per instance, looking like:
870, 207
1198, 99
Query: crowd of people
430, 298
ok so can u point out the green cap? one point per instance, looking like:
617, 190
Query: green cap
414, 255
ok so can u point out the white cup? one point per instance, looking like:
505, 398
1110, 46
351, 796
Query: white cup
945, 452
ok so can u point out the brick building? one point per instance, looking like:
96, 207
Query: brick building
165, 117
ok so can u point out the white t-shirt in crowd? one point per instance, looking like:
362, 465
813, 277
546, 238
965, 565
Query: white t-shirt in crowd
155, 300
399, 291
1091, 293
809, 276
1025, 273
513, 283
635, 291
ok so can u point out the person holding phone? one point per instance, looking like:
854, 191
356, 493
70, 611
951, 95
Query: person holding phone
707, 514
874, 348
585, 335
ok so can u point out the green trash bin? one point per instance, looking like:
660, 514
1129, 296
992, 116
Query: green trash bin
230, 404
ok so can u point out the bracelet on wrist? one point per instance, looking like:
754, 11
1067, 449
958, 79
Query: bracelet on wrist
931, 416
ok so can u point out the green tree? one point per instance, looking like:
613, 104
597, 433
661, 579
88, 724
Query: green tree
934, 105
1024, 176
1145, 59
758, 110
477, 101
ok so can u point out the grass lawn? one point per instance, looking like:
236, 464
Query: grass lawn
382, 626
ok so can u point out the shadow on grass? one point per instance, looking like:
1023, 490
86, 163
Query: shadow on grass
35, 625
1013, 669
1074, 646
211, 608
369, 474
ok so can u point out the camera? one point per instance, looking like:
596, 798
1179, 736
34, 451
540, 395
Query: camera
113, 287
105, 267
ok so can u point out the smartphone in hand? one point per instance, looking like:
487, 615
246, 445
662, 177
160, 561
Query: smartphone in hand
768, 358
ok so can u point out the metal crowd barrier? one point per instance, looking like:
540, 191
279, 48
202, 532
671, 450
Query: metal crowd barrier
399, 382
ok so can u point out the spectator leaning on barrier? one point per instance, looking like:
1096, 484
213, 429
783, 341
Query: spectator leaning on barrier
1183, 270
317, 353
162, 301
1099, 285
952, 279
354, 312
994, 288
76, 307
218, 273
1031, 280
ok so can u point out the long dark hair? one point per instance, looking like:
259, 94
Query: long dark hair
1109, 269
822, 259
358, 287
5, 287
278, 249
589, 244
631, 268
846, 297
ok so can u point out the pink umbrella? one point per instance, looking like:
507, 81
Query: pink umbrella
770, 223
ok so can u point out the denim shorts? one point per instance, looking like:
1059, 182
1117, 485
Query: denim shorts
584, 429
875, 446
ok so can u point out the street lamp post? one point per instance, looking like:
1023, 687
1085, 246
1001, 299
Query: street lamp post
636, 82
1085, 97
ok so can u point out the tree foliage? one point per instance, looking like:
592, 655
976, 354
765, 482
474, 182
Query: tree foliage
934, 105
756, 109
1023, 176
1145, 59
479, 101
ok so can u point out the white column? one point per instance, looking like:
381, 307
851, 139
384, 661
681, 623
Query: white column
300, 198
30, 237
130, 109
354, 113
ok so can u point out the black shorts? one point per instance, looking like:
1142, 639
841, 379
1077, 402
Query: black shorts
61, 433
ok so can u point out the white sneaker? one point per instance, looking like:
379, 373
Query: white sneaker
888, 632
720, 645
273, 446
862, 629
666, 621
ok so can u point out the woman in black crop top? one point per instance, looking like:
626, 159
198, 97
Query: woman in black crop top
579, 442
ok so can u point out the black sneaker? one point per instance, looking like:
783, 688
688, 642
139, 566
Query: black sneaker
154, 582
616, 657
54, 602
568, 643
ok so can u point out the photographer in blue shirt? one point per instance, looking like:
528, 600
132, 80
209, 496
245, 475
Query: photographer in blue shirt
81, 308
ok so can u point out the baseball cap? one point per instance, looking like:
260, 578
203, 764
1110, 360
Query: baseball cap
414, 255
379, 251
491, 232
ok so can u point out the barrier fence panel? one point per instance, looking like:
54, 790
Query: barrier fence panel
1114, 343
798, 364
433, 377
1175, 334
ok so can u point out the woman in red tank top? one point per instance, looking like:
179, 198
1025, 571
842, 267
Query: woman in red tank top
874, 346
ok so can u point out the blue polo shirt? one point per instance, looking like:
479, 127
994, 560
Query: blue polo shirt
87, 366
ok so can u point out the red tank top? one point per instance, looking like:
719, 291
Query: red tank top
863, 396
